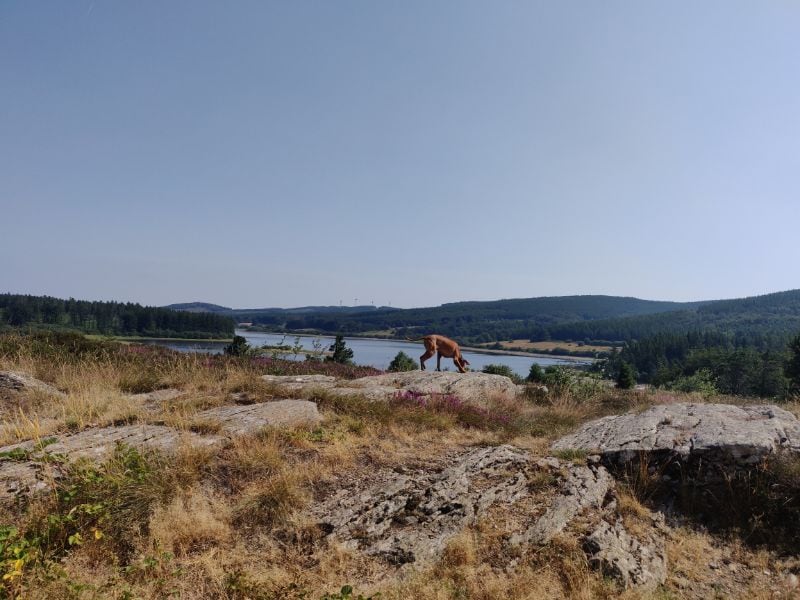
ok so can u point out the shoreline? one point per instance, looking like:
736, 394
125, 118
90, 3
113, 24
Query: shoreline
564, 357
132, 338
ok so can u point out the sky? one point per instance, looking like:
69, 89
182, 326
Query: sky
256, 154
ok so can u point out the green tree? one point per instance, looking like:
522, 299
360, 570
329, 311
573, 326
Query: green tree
702, 381
402, 362
503, 370
625, 378
341, 353
238, 347
536, 374
792, 369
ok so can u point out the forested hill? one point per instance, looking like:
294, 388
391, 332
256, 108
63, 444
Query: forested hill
244, 314
762, 321
468, 321
110, 318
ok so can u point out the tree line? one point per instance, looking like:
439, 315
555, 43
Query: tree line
109, 318
709, 361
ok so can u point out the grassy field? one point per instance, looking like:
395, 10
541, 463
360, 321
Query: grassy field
231, 523
548, 346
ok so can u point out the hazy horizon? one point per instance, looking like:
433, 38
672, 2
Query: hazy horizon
414, 154
360, 304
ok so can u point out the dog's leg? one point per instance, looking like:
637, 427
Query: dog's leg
423, 358
438, 361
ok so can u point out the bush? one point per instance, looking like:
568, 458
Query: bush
558, 378
536, 374
238, 347
402, 362
626, 379
341, 353
503, 370
702, 381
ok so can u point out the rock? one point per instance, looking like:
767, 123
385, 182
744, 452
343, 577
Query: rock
301, 382
157, 395
378, 393
472, 387
611, 549
15, 382
244, 419
20, 472
792, 582
583, 488
409, 517
720, 433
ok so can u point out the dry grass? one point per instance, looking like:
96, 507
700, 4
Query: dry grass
230, 522
193, 522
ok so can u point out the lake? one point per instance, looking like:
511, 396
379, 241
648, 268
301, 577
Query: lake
376, 353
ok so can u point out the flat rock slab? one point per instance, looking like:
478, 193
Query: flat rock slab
20, 472
249, 418
13, 381
738, 435
471, 387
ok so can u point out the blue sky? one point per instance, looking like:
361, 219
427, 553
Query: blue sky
412, 153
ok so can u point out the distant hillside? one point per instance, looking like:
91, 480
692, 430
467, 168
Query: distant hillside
110, 318
484, 321
198, 307
765, 321
270, 315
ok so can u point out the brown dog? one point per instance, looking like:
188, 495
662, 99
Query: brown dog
442, 346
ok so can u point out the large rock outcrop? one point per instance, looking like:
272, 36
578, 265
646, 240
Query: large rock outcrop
409, 517
12, 382
632, 562
583, 487
472, 387
738, 436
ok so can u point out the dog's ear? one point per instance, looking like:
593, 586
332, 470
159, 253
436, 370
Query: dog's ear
465, 361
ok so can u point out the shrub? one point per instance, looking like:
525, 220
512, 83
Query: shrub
503, 370
536, 374
626, 379
341, 353
238, 347
402, 362
558, 378
702, 381
109, 504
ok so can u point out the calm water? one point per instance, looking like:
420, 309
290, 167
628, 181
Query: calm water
375, 353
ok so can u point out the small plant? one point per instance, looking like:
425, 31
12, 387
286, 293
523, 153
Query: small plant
102, 504
340, 352
701, 381
626, 379
402, 362
238, 347
536, 374
503, 370
346, 593
316, 352
575, 455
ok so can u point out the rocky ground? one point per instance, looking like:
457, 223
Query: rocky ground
522, 500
